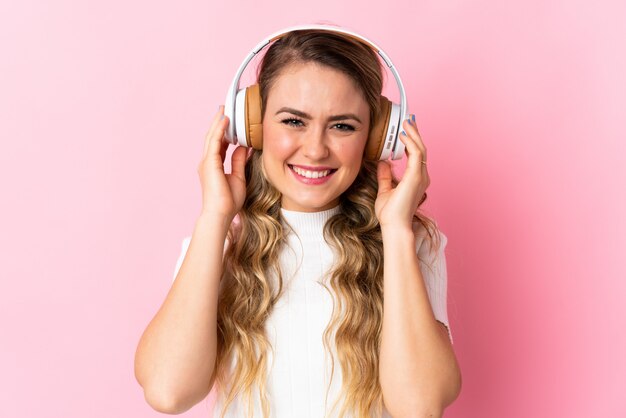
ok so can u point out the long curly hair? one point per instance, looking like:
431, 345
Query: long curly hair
252, 281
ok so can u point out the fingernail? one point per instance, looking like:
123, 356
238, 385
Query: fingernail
222, 117
413, 118
403, 133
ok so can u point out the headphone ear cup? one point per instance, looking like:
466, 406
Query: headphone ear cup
253, 118
240, 118
376, 139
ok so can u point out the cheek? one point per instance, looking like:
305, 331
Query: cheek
277, 145
352, 152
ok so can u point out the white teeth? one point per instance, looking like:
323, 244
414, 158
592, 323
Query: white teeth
311, 174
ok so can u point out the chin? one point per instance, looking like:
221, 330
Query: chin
305, 205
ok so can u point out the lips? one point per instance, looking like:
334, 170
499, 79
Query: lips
314, 179
312, 172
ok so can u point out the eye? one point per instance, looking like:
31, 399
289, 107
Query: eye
346, 127
288, 122
297, 123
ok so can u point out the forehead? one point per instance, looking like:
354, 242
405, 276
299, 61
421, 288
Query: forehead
312, 85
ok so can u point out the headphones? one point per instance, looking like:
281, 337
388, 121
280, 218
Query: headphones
243, 107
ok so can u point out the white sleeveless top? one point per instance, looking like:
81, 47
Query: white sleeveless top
299, 369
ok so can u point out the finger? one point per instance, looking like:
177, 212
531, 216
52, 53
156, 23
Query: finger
414, 135
223, 149
216, 118
411, 129
238, 162
414, 154
209, 135
410, 145
217, 146
383, 173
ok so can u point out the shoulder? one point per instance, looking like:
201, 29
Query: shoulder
424, 237
430, 243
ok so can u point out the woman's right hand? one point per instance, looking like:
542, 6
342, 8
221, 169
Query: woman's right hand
222, 194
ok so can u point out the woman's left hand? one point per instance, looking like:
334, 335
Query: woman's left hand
396, 206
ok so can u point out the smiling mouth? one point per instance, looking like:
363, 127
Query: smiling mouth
312, 174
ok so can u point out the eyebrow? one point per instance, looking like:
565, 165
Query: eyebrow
307, 116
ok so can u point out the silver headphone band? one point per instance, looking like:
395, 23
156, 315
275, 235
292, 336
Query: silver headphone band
229, 106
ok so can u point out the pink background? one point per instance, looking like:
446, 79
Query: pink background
103, 111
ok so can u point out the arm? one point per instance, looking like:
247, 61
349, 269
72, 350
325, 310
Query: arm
175, 357
419, 373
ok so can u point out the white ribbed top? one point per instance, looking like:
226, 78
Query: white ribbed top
299, 369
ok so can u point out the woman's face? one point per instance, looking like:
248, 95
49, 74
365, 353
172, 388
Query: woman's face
315, 120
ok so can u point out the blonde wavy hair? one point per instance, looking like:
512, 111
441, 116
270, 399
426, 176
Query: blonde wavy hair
248, 293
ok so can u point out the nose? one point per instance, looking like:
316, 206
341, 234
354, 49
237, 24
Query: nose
314, 145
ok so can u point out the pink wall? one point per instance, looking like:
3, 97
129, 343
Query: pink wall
104, 107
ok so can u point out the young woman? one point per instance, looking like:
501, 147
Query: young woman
312, 285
